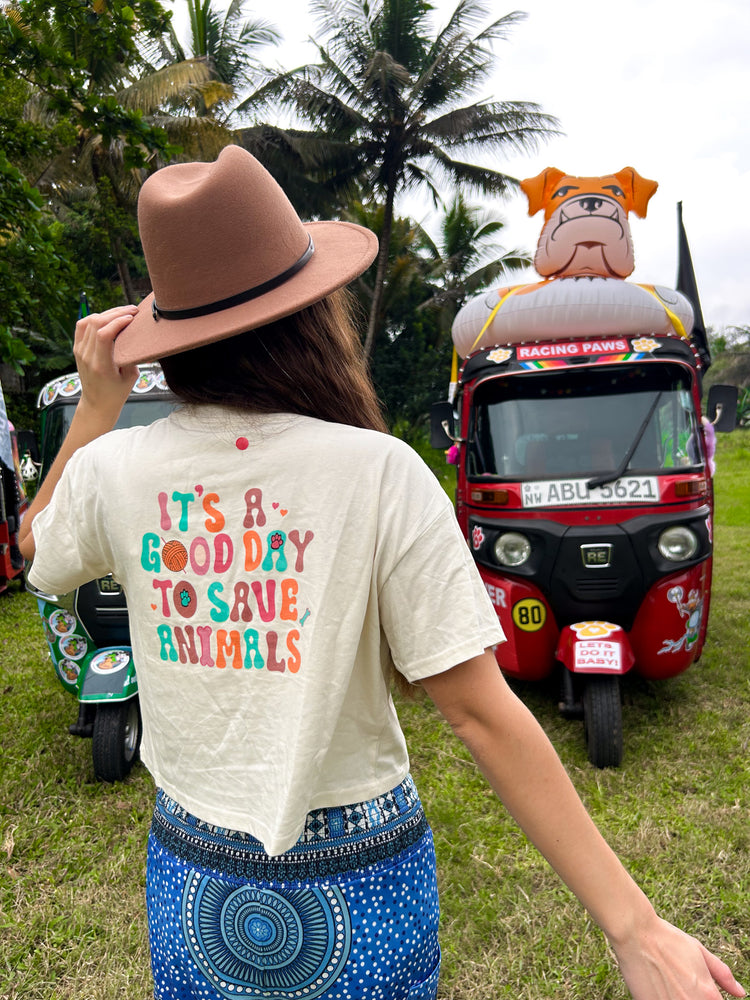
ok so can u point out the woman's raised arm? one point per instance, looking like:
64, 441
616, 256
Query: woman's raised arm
104, 389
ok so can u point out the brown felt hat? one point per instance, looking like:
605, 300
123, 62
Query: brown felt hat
226, 252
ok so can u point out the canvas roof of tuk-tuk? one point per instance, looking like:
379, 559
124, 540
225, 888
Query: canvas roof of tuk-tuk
67, 388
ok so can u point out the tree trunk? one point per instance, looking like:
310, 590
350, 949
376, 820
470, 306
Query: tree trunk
131, 296
376, 307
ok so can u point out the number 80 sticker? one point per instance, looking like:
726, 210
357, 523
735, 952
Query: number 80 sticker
529, 614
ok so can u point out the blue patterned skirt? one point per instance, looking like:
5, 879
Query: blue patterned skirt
349, 913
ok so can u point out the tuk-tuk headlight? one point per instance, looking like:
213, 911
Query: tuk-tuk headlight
512, 549
678, 543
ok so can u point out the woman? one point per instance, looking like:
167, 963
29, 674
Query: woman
281, 556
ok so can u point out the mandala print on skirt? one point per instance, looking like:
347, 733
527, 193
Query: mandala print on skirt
349, 913
250, 941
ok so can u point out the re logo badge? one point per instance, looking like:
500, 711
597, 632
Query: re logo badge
596, 556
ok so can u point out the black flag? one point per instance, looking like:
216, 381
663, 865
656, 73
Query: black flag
687, 285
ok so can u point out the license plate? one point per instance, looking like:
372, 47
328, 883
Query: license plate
567, 492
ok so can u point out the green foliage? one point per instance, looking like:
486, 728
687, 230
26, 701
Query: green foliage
743, 407
466, 258
69, 50
426, 282
732, 481
36, 276
68, 141
730, 367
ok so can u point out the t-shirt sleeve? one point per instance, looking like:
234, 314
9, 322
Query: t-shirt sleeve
69, 534
434, 607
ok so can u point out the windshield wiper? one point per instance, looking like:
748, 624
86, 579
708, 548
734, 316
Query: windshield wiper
611, 477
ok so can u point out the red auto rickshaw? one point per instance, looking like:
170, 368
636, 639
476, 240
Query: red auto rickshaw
585, 494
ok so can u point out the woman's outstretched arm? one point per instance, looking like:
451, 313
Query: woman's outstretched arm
657, 960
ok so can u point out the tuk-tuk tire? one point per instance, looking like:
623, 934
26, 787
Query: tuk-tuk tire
116, 739
602, 720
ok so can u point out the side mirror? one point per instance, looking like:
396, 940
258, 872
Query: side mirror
722, 407
442, 425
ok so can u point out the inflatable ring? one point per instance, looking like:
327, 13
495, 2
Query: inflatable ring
570, 307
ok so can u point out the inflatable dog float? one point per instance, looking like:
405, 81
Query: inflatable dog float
584, 254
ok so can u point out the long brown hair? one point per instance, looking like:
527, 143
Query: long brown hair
310, 363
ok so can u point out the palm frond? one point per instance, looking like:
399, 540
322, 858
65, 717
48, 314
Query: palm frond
517, 125
15, 18
475, 177
168, 86
457, 62
200, 138
326, 109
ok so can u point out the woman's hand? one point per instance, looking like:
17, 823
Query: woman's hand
661, 962
104, 385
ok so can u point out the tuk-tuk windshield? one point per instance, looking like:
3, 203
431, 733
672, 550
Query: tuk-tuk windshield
576, 422
135, 413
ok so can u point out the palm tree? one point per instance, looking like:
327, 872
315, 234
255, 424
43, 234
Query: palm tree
227, 44
391, 106
466, 258
407, 266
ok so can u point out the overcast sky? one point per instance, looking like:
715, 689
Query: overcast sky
659, 85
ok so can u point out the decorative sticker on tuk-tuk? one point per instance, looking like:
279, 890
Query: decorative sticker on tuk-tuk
571, 349
73, 647
594, 629
69, 671
500, 355
597, 655
692, 610
529, 614
477, 537
645, 344
151, 377
569, 492
48, 394
67, 647
109, 661
144, 381
70, 386
62, 622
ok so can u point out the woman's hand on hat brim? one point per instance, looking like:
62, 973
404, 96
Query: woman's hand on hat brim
104, 385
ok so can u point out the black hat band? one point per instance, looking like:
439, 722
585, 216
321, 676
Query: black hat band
236, 300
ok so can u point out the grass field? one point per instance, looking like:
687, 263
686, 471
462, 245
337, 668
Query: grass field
72, 921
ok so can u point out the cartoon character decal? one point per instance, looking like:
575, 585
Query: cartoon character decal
692, 611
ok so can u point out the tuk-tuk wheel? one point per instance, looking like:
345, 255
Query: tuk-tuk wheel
116, 739
602, 720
